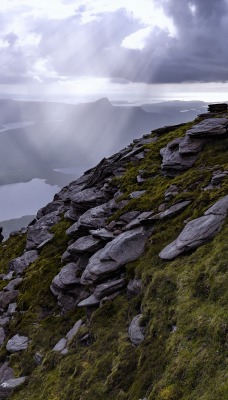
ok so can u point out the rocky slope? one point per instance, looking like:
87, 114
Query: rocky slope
118, 288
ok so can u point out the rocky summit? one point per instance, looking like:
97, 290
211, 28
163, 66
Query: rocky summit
118, 288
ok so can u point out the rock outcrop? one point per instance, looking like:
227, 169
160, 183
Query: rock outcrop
198, 231
109, 228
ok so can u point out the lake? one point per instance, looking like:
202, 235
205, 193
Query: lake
9, 126
25, 198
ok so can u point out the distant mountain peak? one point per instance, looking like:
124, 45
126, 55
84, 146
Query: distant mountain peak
103, 101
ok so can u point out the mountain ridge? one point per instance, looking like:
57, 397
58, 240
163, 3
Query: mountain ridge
99, 310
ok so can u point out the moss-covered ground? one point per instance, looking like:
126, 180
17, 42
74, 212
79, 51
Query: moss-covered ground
184, 306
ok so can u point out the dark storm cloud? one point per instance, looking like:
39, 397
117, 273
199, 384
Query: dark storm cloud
197, 52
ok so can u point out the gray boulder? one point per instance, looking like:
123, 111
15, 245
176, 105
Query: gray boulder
19, 264
209, 127
102, 291
8, 297
13, 284
60, 346
93, 218
68, 276
6, 372
70, 335
137, 194
174, 210
85, 244
102, 234
135, 331
172, 161
198, 231
88, 198
126, 247
38, 234
17, 343
190, 146
7, 387
56, 205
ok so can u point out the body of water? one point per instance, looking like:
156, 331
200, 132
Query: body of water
15, 125
25, 198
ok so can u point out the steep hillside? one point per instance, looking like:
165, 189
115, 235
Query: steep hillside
118, 289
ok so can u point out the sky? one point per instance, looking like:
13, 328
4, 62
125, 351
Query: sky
145, 50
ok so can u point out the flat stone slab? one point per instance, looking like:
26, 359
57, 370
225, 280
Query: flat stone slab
102, 234
70, 335
67, 277
198, 231
7, 387
93, 218
38, 234
13, 284
174, 210
85, 244
17, 343
60, 346
88, 198
173, 162
135, 331
209, 127
190, 145
126, 247
19, 264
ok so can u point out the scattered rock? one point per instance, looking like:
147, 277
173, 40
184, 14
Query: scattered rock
102, 234
60, 345
173, 162
38, 358
17, 343
13, 284
190, 146
19, 264
174, 210
137, 194
171, 192
209, 127
135, 331
68, 276
85, 244
70, 335
198, 231
8, 297
12, 308
126, 247
38, 234
7, 387
6, 372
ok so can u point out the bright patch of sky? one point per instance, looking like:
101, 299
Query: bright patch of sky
148, 51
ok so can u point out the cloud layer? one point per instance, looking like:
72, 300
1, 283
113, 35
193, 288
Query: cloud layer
45, 49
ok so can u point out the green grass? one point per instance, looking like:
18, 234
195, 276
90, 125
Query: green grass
184, 306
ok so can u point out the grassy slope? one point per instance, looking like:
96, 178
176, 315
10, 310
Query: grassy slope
189, 293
